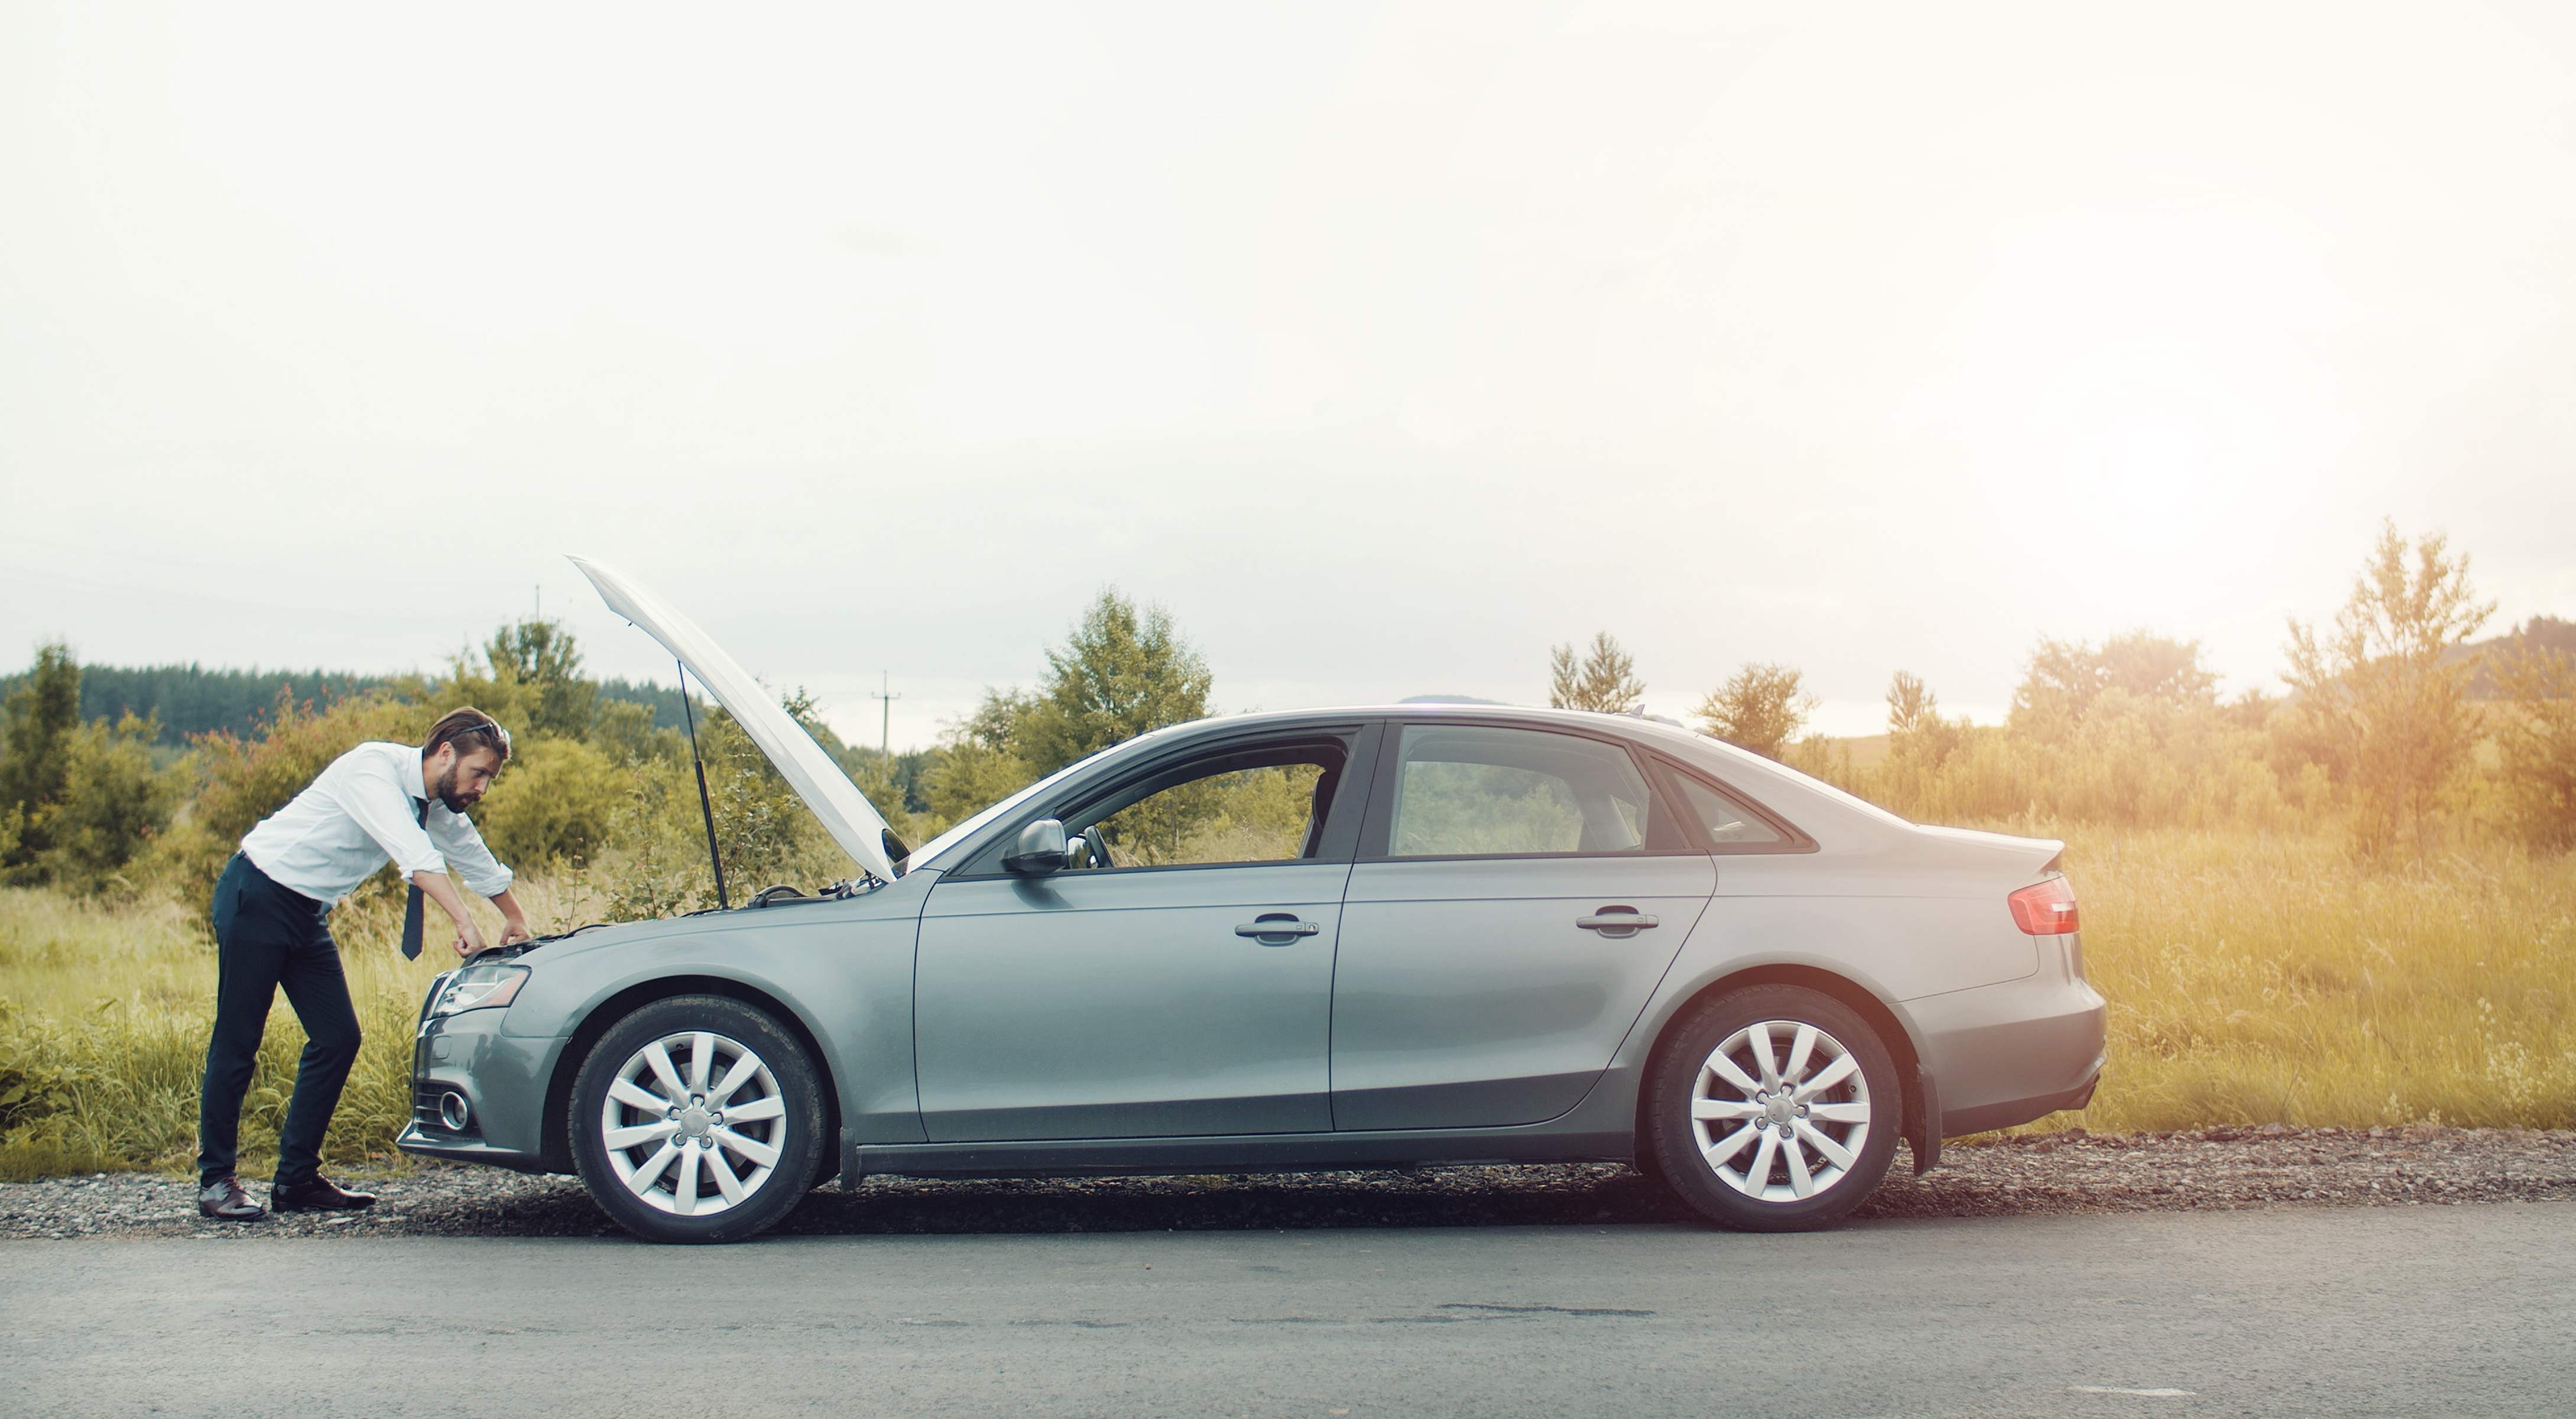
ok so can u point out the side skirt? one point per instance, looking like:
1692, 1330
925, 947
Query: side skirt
1258, 1153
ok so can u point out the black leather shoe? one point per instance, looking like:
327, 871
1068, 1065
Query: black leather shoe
226, 1202
319, 1195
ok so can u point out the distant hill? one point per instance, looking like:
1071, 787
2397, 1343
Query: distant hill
2540, 633
191, 699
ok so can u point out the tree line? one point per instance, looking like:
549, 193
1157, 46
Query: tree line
2395, 729
2381, 735
184, 701
599, 781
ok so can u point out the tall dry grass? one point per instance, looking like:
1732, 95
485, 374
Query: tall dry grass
2257, 977
2252, 976
104, 1014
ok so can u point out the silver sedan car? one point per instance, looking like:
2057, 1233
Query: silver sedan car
1367, 937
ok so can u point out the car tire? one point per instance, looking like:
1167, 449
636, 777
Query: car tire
1727, 1140
697, 1119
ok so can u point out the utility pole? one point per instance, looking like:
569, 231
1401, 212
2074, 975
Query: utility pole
885, 743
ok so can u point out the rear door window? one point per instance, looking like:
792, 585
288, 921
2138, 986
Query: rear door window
1477, 791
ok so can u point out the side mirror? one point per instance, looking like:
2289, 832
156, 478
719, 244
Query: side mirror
1039, 850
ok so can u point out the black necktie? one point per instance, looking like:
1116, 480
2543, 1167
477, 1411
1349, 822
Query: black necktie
411, 904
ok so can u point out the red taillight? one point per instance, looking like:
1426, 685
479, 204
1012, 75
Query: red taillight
2045, 908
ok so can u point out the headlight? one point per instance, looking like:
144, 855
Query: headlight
479, 988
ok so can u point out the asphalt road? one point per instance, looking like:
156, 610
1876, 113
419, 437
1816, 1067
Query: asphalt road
2410, 1310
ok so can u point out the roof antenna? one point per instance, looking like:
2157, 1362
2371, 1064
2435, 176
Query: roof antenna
715, 859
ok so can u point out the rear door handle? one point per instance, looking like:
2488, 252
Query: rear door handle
1277, 929
1611, 921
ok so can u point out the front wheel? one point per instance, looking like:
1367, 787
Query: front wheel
696, 1119
1773, 1109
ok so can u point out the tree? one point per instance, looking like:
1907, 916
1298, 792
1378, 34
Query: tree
1123, 672
2065, 678
1604, 680
1761, 709
35, 759
980, 763
1919, 739
1911, 705
556, 802
113, 805
2395, 720
78, 801
2536, 740
531, 680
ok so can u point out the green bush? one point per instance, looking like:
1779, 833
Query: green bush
78, 802
557, 802
113, 807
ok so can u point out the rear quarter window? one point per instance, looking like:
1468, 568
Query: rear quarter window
1728, 822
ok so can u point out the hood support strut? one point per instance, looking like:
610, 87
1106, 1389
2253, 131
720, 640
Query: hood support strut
706, 808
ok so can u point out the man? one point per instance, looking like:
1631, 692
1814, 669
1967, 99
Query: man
374, 803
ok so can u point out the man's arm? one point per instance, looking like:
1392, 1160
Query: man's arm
438, 888
476, 869
461, 844
514, 922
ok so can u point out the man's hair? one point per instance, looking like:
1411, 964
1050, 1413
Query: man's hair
470, 730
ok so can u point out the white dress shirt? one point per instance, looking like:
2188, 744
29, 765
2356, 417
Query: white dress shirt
361, 812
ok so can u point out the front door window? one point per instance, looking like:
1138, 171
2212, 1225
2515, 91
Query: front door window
1261, 813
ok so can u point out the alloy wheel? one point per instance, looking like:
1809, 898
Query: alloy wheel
693, 1123
1781, 1111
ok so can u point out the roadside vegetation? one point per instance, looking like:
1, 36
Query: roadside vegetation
2351, 904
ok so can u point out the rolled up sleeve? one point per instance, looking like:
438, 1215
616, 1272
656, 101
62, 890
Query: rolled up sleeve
467, 857
376, 799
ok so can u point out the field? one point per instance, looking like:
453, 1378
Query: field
2252, 978
2255, 978
103, 1017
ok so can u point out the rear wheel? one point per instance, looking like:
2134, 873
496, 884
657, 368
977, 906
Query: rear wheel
697, 1119
1773, 1109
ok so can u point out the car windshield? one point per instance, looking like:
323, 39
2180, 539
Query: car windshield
929, 852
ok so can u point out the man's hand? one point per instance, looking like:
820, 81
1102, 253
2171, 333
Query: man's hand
437, 887
514, 922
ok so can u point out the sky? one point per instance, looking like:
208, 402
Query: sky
1385, 345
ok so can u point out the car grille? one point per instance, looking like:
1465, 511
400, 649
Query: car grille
424, 1105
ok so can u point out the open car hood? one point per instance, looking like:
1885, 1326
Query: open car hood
844, 812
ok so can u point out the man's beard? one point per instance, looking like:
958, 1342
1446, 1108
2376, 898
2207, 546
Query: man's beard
447, 794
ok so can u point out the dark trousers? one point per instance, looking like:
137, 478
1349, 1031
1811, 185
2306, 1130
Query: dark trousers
271, 936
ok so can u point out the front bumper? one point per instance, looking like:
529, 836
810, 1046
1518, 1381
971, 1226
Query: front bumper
501, 1080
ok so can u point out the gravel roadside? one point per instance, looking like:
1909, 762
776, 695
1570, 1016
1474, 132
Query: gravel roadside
2216, 1169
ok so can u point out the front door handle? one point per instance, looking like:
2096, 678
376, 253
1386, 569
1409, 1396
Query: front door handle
1276, 929
1616, 922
